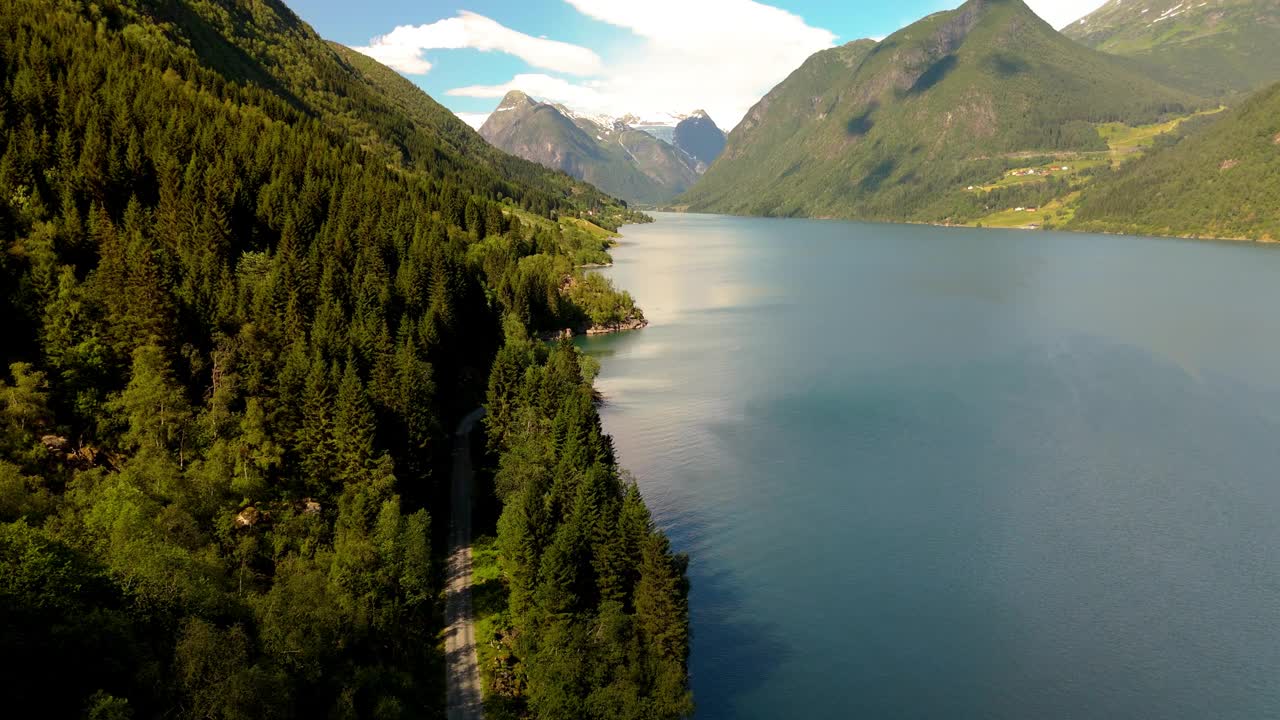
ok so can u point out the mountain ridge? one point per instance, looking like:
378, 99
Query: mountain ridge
636, 159
897, 130
1215, 48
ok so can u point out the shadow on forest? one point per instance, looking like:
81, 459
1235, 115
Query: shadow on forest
1006, 65
936, 73
878, 175
861, 124
233, 63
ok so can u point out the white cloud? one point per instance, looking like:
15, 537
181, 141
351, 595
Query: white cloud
475, 120
1061, 13
402, 48
718, 55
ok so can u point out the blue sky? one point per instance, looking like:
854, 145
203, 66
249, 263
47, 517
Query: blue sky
614, 56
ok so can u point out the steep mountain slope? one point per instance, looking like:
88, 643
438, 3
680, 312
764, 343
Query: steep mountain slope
624, 157
268, 45
670, 168
898, 130
1210, 47
582, 148
403, 113
246, 294
1221, 180
700, 137
696, 135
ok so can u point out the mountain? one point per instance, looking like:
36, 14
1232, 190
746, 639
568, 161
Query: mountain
901, 129
250, 283
695, 134
699, 137
1220, 180
1209, 47
626, 157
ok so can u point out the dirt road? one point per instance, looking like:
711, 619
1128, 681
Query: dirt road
460, 640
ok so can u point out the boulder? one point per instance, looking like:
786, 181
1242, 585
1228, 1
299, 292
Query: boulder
55, 443
248, 517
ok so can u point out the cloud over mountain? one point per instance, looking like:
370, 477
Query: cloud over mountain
1060, 13
717, 54
403, 47
721, 55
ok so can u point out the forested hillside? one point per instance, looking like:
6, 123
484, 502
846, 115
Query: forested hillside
248, 282
1211, 47
907, 128
1221, 180
593, 619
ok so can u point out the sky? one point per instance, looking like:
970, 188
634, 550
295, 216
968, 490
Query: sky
615, 57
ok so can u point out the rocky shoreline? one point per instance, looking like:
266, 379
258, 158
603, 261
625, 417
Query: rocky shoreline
589, 330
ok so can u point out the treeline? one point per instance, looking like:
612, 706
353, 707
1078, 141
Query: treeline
235, 337
536, 279
597, 620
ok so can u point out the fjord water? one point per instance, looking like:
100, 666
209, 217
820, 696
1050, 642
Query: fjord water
945, 473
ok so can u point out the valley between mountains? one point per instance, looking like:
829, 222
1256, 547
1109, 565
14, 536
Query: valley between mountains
983, 115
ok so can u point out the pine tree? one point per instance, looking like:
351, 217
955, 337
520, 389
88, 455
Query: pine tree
353, 429
661, 600
314, 443
153, 406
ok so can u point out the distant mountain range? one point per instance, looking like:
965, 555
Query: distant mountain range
645, 160
1136, 118
1210, 47
911, 127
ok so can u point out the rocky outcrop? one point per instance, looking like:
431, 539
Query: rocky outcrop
249, 517
624, 326
570, 333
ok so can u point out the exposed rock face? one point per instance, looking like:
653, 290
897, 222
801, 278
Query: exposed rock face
541, 133
627, 157
570, 333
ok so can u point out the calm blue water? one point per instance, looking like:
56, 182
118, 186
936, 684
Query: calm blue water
937, 473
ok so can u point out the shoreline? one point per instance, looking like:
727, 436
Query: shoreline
1020, 228
594, 330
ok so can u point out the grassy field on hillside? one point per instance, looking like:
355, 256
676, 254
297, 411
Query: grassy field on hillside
1125, 143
